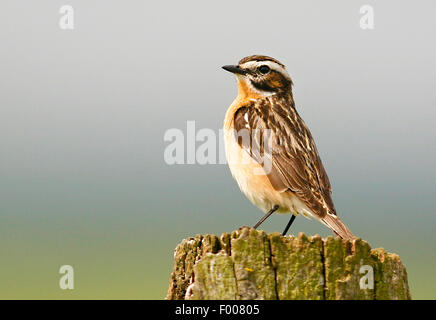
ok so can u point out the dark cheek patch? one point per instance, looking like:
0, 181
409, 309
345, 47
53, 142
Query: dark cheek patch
273, 82
276, 80
263, 86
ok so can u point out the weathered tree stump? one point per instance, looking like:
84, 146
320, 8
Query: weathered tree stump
249, 264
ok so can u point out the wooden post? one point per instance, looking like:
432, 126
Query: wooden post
249, 264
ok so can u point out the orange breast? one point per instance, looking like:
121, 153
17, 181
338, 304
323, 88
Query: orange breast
245, 94
245, 170
256, 187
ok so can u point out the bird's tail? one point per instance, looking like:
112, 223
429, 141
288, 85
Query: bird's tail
337, 226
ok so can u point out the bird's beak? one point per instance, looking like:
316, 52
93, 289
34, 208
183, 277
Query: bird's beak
234, 69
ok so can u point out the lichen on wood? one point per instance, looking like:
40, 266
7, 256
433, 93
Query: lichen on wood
249, 264
299, 267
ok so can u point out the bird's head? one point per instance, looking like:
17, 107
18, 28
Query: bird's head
261, 76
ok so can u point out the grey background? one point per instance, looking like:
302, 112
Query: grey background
83, 114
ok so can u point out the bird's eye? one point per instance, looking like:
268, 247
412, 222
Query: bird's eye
264, 69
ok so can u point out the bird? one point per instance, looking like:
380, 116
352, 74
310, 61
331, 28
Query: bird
270, 150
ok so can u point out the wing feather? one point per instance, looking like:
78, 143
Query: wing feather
295, 163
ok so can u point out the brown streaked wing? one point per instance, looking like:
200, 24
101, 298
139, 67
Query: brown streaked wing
296, 165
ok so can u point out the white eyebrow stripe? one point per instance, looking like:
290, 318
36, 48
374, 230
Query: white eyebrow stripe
273, 65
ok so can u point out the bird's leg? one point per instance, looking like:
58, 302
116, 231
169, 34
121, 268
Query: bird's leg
288, 225
266, 216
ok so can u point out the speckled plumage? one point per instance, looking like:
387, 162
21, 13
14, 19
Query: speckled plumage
295, 178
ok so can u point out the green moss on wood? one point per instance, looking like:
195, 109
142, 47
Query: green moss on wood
391, 279
299, 267
249, 264
349, 287
255, 277
214, 271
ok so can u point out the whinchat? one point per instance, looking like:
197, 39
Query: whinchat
270, 150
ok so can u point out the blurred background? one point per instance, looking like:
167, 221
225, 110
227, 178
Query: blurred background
83, 114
